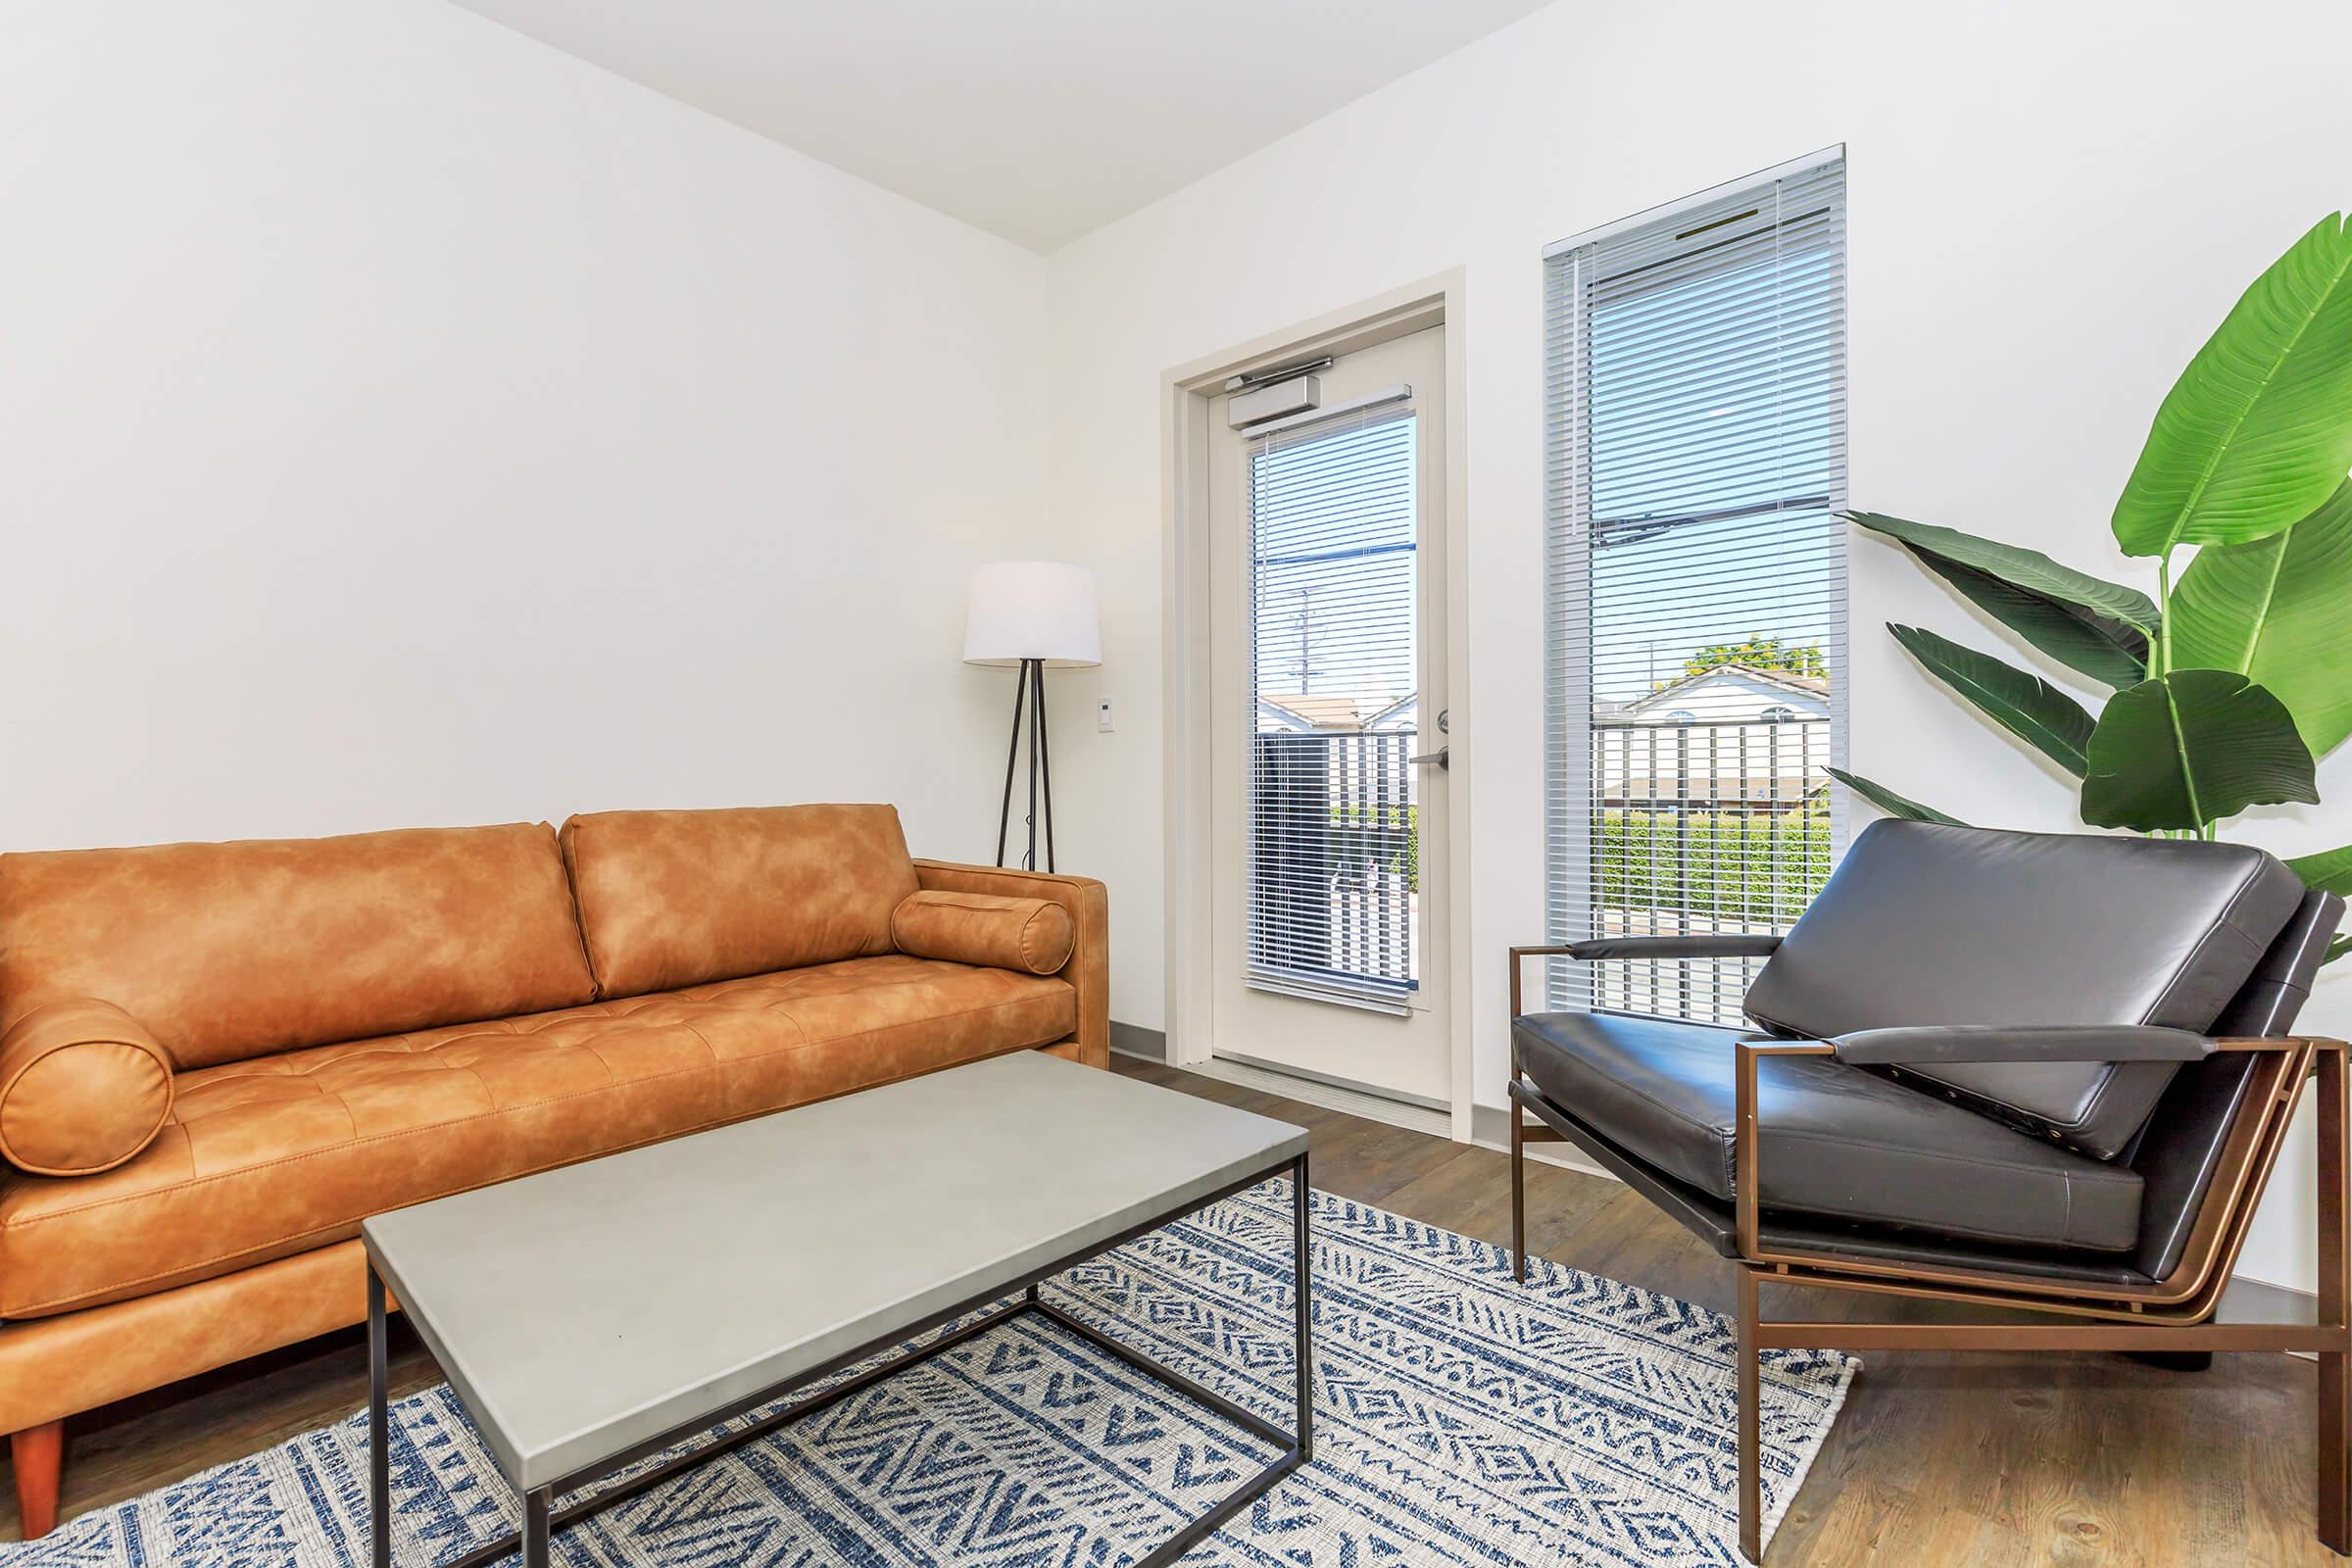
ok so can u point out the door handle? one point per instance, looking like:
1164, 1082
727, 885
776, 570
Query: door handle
1442, 756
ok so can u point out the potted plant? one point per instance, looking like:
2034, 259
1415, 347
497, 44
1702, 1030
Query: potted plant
2226, 684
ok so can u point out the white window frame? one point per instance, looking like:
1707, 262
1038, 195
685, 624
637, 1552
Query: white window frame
1568, 651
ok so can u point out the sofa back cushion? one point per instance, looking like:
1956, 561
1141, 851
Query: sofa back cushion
1928, 925
671, 899
225, 951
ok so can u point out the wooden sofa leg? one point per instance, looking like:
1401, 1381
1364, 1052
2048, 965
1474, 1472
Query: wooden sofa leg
39, 1454
1752, 1423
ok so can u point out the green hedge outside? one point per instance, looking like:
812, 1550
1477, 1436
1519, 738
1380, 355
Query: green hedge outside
1753, 868
1749, 868
1386, 835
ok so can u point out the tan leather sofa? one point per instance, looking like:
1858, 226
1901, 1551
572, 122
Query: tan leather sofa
215, 1060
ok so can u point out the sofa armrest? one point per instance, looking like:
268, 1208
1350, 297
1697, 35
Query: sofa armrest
1089, 909
1950, 1045
83, 1086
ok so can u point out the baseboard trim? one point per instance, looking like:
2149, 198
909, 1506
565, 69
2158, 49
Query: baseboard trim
1326, 1095
1151, 1045
1490, 1128
1134, 1040
1332, 1081
2245, 1301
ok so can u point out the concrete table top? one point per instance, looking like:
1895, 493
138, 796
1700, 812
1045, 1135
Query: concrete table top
583, 1311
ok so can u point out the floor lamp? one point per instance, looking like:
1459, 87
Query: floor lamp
1033, 615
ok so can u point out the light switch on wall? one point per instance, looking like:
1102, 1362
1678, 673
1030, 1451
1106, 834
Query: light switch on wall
1103, 721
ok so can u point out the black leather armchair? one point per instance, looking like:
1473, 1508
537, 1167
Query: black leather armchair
2035, 1071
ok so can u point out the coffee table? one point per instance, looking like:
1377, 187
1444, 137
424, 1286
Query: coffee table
592, 1316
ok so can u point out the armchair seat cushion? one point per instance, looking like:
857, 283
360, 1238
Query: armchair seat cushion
1837, 1140
263, 1159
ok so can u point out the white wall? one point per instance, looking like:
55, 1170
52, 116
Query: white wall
404, 422
2052, 205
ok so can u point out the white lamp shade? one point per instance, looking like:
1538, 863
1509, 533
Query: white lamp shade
1033, 610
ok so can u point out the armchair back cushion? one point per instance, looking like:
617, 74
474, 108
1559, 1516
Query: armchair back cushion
227, 951
1925, 924
676, 899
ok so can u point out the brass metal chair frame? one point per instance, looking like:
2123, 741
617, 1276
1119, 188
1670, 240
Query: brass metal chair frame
2176, 1314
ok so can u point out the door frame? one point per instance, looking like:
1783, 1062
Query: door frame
1187, 707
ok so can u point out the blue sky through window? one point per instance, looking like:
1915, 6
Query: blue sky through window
1334, 582
1712, 452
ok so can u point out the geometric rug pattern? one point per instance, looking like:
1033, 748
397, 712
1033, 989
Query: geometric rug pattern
1462, 1421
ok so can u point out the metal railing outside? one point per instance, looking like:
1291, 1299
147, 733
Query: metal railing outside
1334, 864
1701, 827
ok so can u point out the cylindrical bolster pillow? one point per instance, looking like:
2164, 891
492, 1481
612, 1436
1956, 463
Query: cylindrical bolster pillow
83, 1086
1032, 934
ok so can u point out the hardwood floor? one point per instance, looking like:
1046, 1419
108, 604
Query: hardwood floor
2075, 1461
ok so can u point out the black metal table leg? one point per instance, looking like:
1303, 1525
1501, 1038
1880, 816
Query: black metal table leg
541, 1517
1298, 1446
1301, 1244
380, 1427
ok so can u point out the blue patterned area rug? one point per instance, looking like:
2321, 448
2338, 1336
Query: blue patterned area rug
1460, 1419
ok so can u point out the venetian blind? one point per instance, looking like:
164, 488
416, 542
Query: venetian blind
1695, 580
1333, 817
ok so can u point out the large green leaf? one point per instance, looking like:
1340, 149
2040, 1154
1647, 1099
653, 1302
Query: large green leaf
2189, 748
1893, 805
2020, 702
2028, 570
2100, 628
2278, 611
2329, 871
2258, 430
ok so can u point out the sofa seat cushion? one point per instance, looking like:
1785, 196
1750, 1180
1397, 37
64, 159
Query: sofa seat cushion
269, 1157
1837, 1140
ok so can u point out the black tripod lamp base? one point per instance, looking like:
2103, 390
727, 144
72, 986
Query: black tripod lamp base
1030, 693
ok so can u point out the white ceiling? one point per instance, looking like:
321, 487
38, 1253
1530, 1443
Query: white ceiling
1040, 119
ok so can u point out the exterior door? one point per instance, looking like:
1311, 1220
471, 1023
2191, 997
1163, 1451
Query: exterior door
1327, 665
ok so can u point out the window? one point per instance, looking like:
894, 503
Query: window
1695, 579
1333, 814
